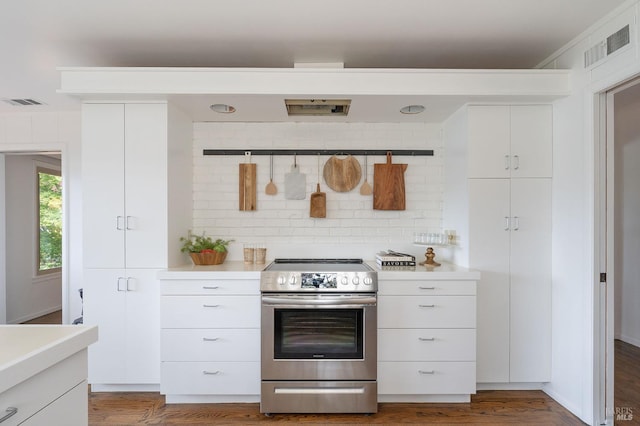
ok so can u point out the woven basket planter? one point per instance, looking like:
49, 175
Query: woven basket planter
214, 258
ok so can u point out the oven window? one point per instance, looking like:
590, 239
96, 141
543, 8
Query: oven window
318, 334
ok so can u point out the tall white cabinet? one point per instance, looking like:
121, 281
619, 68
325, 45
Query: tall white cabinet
136, 176
504, 186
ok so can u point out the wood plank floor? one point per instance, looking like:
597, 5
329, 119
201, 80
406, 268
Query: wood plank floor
52, 318
627, 379
486, 408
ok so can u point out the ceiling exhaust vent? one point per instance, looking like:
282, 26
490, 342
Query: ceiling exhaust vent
606, 47
22, 102
322, 107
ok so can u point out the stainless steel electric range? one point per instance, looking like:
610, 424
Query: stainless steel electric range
319, 329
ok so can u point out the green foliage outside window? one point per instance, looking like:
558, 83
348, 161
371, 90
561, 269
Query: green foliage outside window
50, 220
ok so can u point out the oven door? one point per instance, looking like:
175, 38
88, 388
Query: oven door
319, 336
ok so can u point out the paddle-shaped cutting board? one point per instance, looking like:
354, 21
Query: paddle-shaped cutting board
295, 184
388, 185
318, 204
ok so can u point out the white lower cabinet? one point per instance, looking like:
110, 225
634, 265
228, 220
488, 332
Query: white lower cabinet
426, 340
124, 304
210, 340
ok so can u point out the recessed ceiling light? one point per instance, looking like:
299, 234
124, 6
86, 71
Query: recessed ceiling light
412, 109
223, 108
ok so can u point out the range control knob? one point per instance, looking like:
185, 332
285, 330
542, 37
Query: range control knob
355, 280
282, 279
292, 280
367, 280
344, 281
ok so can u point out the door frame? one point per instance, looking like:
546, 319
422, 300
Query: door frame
36, 148
604, 246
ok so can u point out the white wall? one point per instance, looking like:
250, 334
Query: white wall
352, 227
574, 287
57, 131
627, 223
27, 295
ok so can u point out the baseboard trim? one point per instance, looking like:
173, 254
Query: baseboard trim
630, 340
35, 315
510, 386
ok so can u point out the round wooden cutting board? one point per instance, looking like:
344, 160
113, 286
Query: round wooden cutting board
342, 174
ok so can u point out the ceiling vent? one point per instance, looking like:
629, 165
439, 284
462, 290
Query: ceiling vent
606, 47
22, 102
322, 107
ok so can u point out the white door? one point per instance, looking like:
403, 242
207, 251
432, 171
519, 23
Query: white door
530, 313
489, 224
103, 185
531, 141
489, 139
145, 162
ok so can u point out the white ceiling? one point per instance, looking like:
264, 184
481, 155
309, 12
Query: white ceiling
36, 36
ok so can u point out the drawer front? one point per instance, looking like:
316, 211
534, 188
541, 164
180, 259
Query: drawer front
210, 344
427, 288
210, 378
210, 311
42, 389
426, 312
209, 287
439, 378
426, 344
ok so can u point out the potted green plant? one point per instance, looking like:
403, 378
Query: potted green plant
204, 250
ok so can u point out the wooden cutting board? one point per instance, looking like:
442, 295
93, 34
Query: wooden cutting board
388, 185
318, 204
342, 174
247, 186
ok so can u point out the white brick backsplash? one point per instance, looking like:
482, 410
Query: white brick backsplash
352, 227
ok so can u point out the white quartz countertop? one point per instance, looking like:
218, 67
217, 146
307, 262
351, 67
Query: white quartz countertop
445, 271
28, 349
238, 270
230, 269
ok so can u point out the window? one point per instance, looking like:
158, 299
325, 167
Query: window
49, 258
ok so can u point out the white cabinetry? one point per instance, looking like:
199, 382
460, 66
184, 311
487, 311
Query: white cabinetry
136, 204
510, 141
55, 395
124, 303
426, 340
210, 340
505, 233
509, 241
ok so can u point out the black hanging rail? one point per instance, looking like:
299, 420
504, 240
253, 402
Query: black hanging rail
394, 152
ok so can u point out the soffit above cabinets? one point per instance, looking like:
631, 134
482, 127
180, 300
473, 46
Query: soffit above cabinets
258, 94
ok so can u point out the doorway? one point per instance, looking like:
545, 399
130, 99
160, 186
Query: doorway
32, 236
620, 229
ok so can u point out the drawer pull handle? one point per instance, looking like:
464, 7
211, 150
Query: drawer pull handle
426, 288
210, 339
426, 372
210, 306
210, 287
427, 306
10, 412
211, 373
426, 339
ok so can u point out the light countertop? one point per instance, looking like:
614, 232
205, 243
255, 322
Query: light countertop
238, 270
29, 349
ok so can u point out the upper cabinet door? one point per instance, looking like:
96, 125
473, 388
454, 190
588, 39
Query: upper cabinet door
510, 141
103, 185
488, 148
531, 141
145, 162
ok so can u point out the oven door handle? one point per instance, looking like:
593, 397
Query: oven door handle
313, 301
